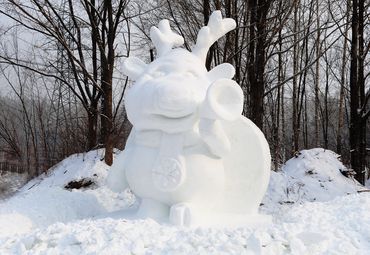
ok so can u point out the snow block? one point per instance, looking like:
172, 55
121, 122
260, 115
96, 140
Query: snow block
191, 157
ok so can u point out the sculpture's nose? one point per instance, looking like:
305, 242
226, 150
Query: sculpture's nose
175, 101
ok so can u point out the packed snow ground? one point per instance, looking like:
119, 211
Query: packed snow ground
315, 209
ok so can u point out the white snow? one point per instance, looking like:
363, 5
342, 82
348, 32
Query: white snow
312, 175
44, 200
45, 218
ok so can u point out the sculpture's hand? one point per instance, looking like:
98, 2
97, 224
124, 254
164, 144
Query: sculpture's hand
212, 133
224, 101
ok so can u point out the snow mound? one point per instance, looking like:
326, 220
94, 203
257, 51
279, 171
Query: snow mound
75, 167
315, 175
340, 226
312, 175
46, 200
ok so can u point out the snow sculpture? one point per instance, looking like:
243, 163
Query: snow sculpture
191, 157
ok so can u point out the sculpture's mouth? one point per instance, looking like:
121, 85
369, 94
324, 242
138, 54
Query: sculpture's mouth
166, 123
174, 116
175, 113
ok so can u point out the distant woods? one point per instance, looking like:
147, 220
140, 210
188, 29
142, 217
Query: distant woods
73, 63
303, 66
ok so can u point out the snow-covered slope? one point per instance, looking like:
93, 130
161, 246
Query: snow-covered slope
312, 175
46, 218
45, 200
315, 175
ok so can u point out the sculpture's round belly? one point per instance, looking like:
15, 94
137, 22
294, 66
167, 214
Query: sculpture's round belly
202, 184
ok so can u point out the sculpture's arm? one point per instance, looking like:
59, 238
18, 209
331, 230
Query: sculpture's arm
213, 135
116, 179
224, 101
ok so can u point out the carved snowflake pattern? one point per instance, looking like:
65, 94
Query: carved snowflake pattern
168, 174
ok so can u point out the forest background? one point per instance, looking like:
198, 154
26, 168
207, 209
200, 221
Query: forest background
303, 66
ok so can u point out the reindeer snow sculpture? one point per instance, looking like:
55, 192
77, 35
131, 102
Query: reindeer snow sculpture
191, 156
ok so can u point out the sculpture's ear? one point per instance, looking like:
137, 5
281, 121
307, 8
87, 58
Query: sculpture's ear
133, 67
225, 70
224, 100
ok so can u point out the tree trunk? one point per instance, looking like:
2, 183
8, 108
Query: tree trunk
92, 120
107, 78
317, 76
256, 71
342, 87
326, 119
206, 14
295, 134
276, 121
106, 119
357, 125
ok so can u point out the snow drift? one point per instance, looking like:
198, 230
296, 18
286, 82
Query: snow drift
312, 175
46, 200
45, 217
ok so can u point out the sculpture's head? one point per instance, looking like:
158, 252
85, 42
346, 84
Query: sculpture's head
170, 93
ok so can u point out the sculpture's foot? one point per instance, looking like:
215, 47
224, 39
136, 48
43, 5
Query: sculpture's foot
181, 215
150, 208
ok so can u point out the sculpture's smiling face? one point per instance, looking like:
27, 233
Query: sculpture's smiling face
168, 92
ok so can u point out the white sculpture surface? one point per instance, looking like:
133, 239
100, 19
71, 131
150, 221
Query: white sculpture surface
191, 157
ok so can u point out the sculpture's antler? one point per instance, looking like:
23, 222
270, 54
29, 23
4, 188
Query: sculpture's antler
164, 38
215, 29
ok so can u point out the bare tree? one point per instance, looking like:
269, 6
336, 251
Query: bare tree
359, 98
91, 60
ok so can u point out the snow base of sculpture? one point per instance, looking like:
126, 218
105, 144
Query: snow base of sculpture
180, 215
